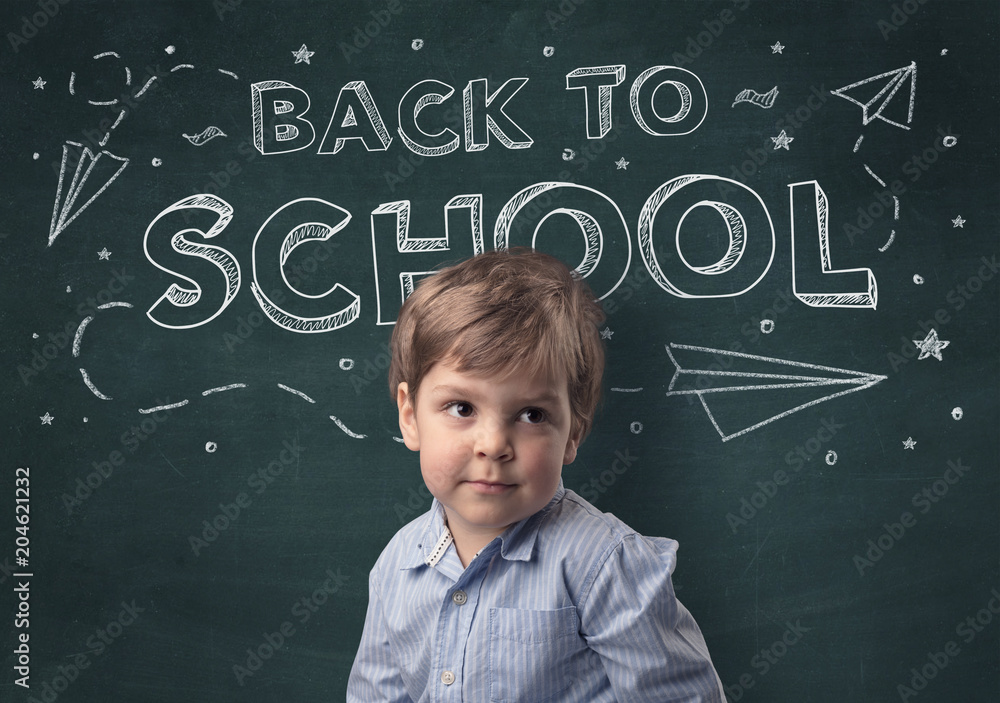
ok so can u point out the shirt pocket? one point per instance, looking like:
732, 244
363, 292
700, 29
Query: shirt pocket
531, 653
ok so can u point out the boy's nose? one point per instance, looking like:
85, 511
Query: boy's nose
493, 442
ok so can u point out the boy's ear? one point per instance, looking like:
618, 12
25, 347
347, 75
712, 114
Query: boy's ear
407, 417
572, 444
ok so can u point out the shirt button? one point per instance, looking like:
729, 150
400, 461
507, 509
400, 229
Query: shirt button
459, 597
447, 678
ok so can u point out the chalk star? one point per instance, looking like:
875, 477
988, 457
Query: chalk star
104, 254
39, 84
931, 346
782, 141
46, 419
622, 164
908, 443
302, 54
958, 222
606, 333
776, 48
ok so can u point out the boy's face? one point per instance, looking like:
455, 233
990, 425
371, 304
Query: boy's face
491, 449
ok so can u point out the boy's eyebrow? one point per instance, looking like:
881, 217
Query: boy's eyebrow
547, 396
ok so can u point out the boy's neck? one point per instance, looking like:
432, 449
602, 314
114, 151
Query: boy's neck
469, 542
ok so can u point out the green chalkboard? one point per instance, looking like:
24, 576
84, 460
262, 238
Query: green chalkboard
213, 210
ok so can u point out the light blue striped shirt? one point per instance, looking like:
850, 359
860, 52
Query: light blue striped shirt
569, 605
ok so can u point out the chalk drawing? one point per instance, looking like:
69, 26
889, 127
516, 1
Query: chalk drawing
957, 413
635, 427
830, 458
857, 144
398, 439
353, 94
79, 334
156, 162
958, 222
895, 208
867, 298
949, 141
347, 431
93, 389
417, 44
918, 279
114, 304
598, 103
626, 390
908, 443
766, 326
870, 173
39, 83
170, 49
892, 236
568, 155
548, 51
228, 73
693, 103
606, 333
295, 392
87, 164
158, 408
46, 418
782, 141
346, 364
179, 66
874, 107
303, 54
796, 375
206, 135
931, 346
777, 48
210, 447
621, 164
104, 254
762, 100
220, 389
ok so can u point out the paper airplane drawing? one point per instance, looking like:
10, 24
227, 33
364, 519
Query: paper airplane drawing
89, 167
877, 106
730, 378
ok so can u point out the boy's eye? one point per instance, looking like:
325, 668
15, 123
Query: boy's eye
459, 409
533, 416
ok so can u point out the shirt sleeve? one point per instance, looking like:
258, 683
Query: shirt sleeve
650, 645
375, 676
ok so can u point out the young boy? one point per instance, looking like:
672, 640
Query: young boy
512, 588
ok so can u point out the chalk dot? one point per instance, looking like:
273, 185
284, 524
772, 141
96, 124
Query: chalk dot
171, 49
918, 279
568, 155
86, 419
548, 51
831, 457
35, 156
211, 447
69, 289
767, 326
34, 335
635, 427
949, 141
346, 364
957, 413
417, 44
157, 161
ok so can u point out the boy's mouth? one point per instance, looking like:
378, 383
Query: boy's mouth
489, 487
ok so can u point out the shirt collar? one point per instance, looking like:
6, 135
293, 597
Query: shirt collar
517, 543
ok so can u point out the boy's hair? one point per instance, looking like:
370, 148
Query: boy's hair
504, 312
